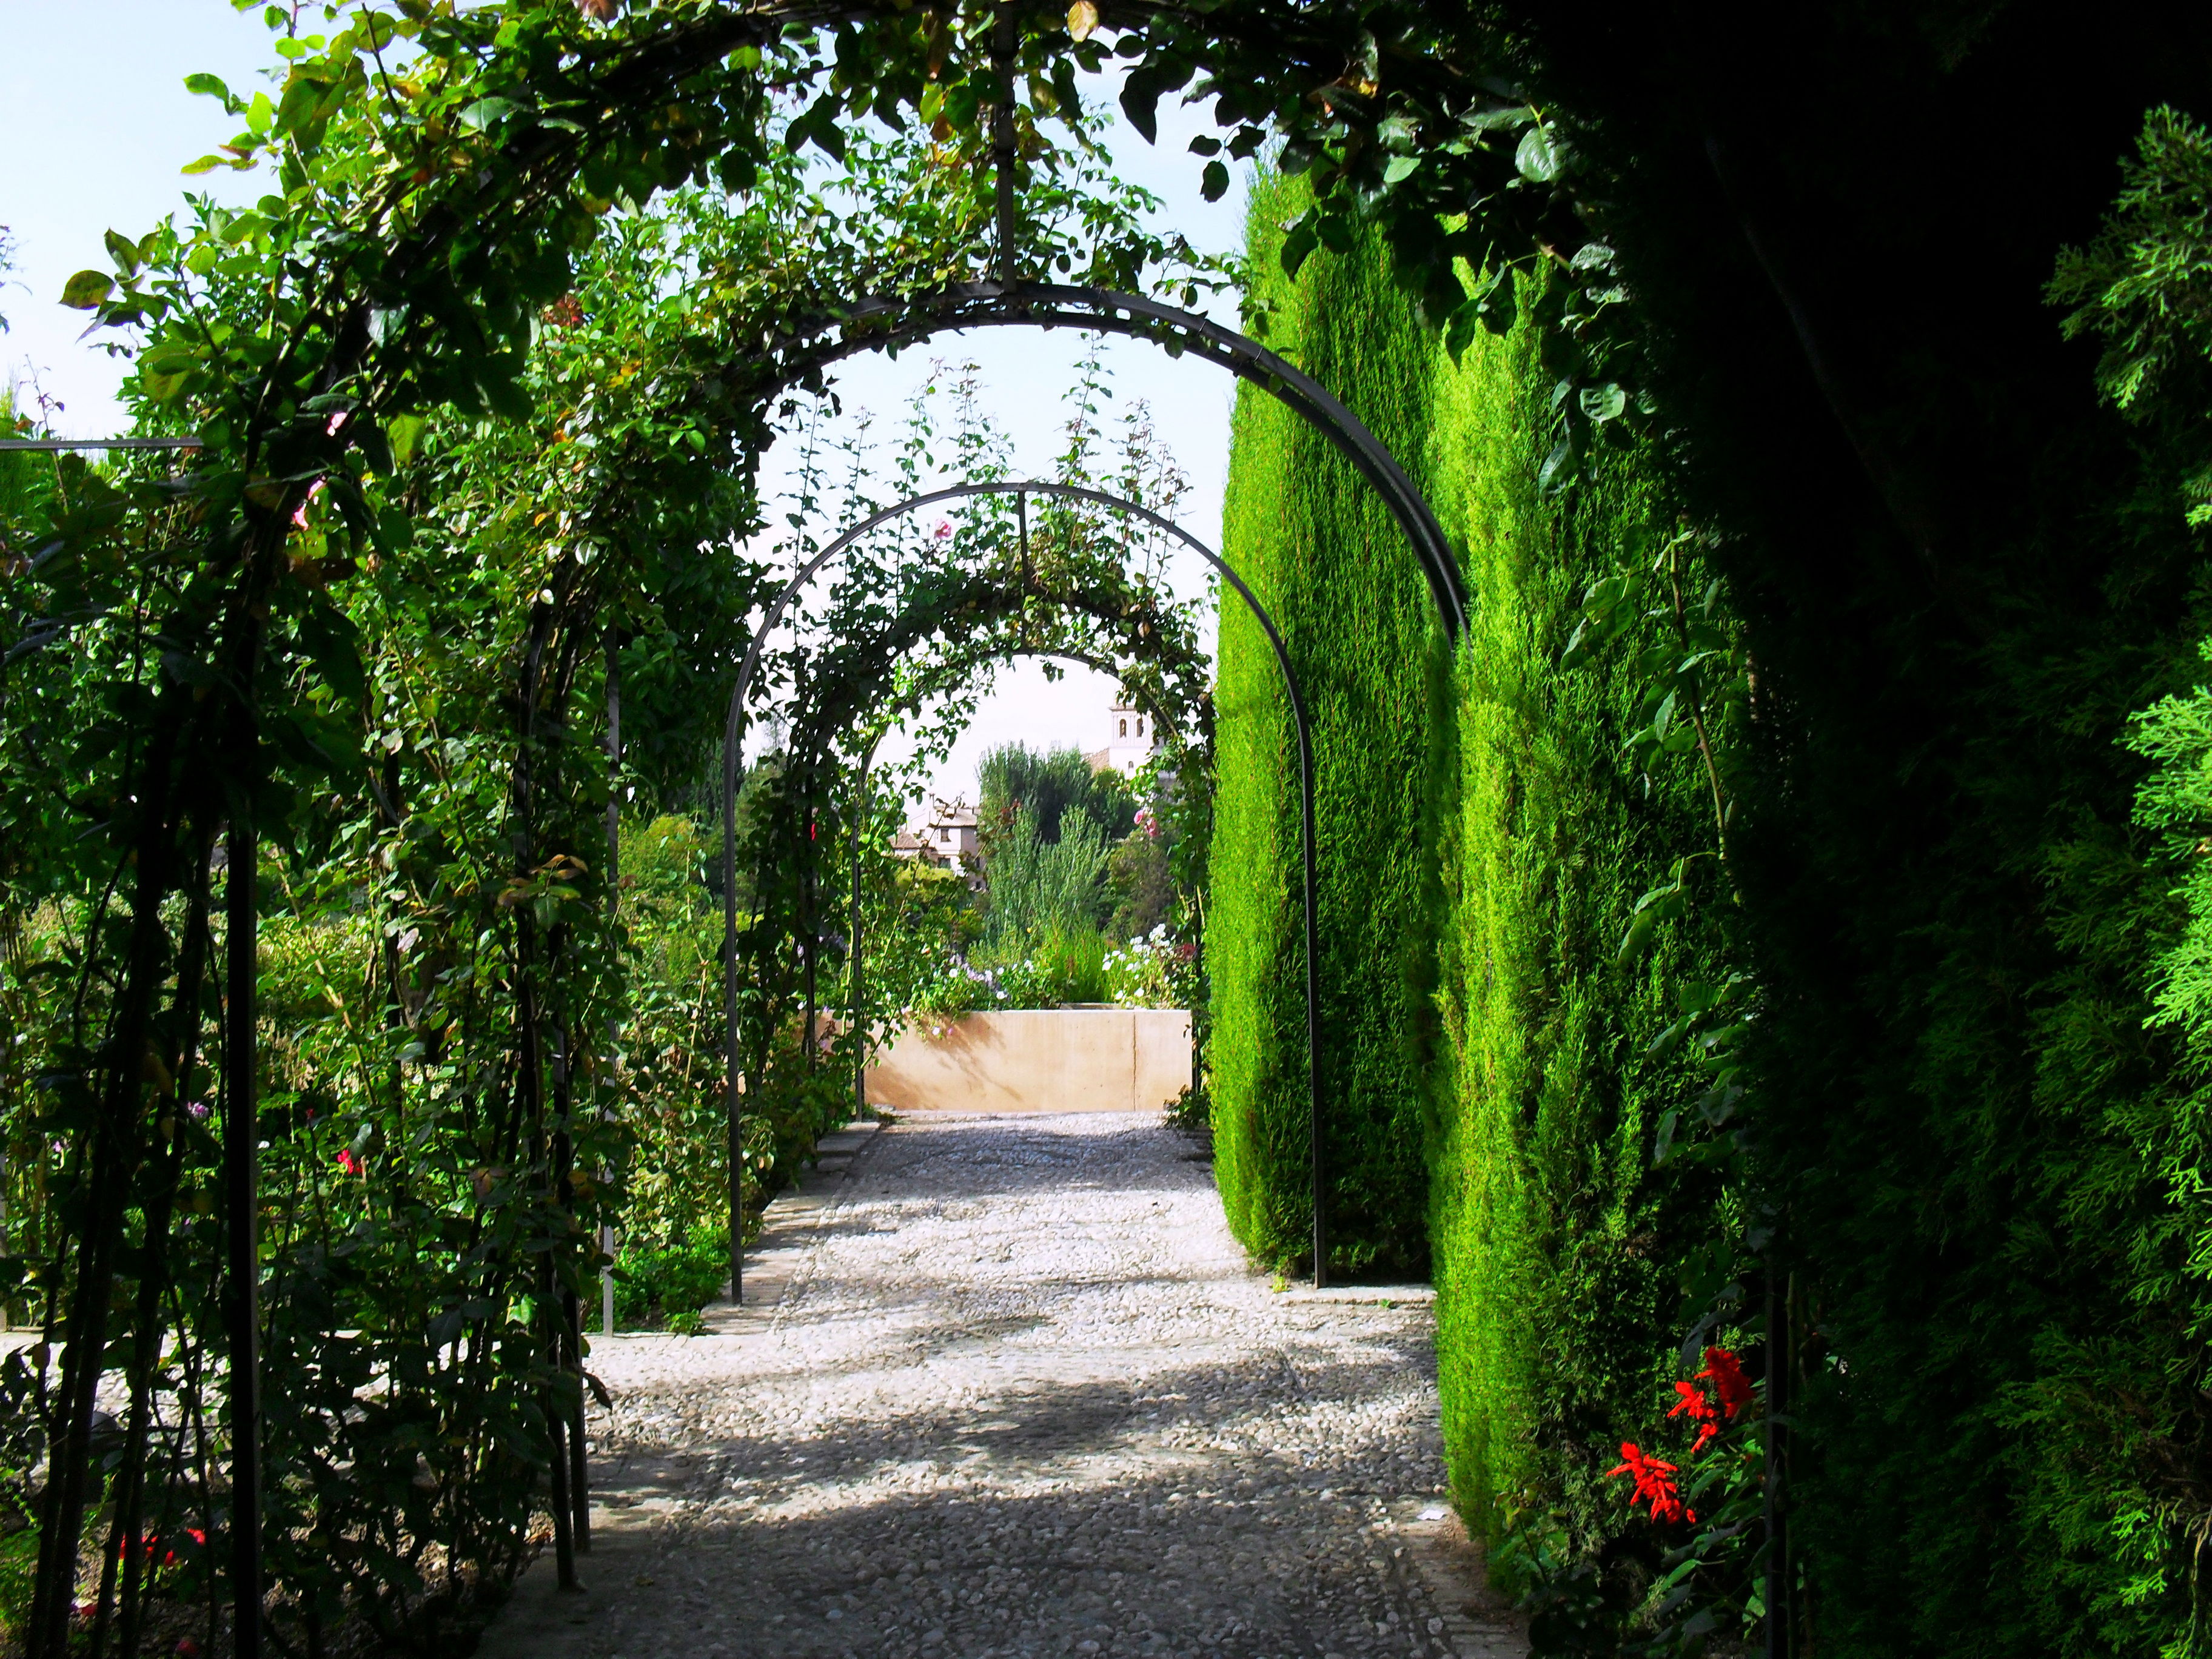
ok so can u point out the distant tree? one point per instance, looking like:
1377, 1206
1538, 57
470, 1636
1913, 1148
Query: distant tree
1046, 784
1036, 884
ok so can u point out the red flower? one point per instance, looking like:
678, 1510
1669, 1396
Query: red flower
149, 1543
347, 1161
1699, 1410
1654, 1484
1725, 1372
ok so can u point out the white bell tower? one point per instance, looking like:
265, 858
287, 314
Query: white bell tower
1128, 738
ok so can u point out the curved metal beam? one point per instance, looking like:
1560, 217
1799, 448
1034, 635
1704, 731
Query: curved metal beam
1052, 304
732, 767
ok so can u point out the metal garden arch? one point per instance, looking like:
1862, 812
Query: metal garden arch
733, 776
881, 323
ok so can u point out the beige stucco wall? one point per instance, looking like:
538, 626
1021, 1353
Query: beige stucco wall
1039, 1060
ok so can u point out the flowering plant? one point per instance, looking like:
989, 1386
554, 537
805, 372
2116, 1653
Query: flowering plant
1713, 1579
1153, 971
1700, 1578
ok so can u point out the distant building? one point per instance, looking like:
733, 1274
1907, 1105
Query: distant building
913, 844
947, 841
1128, 741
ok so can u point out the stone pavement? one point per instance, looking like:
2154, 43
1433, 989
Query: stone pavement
1005, 1387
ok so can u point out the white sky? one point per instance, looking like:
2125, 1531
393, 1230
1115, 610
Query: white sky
95, 95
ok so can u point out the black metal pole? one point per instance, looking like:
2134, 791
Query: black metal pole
732, 772
1313, 995
853, 948
241, 1213
808, 927
614, 910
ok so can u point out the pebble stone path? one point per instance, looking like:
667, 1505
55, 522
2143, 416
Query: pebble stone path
1006, 1387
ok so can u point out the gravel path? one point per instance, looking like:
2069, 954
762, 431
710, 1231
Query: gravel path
1018, 1392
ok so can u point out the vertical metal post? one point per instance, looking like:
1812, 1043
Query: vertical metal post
1313, 996
614, 907
853, 948
607, 1285
733, 769
241, 1215
810, 924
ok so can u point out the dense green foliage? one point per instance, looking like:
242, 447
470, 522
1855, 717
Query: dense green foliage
1799, 258
1567, 1265
1326, 559
1014, 777
1557, 1243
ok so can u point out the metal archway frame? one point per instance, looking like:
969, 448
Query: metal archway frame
878, 323
733, 772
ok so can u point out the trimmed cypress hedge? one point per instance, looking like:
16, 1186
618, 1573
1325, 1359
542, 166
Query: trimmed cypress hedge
1485, 835
1558, 1245
1324, 555
1986, 1158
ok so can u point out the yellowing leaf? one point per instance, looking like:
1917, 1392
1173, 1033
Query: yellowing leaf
86, 291
1082, 20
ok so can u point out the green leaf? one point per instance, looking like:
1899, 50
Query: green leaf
481, 114
333, 640
1337, 234
1504, 118
123, 251
1213, 184
163, 371
402, 433
1140, 100
1559, 470
1538, 156
1459, 332
205, 164
1401, 168
1604, 402
208, 86
1298, 245
85, 291
1639, 935
375, 449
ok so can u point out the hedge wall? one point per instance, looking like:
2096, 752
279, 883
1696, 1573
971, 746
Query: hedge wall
1984, 1144
1558, 1245
1486, 835
1326, 558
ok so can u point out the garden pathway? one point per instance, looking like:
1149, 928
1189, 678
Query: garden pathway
1010, 1388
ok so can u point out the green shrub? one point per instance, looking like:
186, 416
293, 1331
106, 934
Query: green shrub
1558, 1245
661, 1284
1485, 840
1039, 883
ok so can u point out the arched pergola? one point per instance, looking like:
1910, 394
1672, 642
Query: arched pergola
732, 777
394, 322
